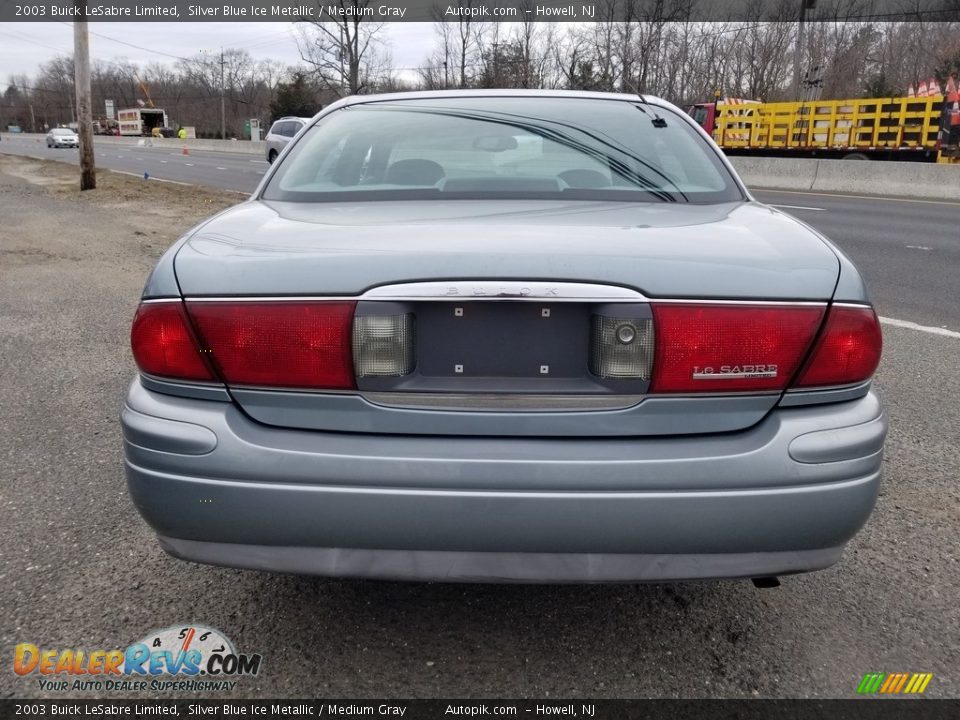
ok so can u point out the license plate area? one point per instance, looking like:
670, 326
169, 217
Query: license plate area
503, 340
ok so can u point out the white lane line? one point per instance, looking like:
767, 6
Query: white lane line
262, 162
189, 164
799, 207
917, 247
922, 328
163, 162
220, 168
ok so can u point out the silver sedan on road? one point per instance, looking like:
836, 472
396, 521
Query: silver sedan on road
62, 137
505, 336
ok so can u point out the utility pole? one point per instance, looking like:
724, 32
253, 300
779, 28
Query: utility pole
223, 90
798, 50
81, 63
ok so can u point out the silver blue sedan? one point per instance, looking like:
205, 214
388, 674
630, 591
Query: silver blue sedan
62, 137
505, 336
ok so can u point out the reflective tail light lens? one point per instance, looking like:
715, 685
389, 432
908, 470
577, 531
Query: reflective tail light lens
848, 351
621, 347
730, 348
291, 344
383, 345
163, 344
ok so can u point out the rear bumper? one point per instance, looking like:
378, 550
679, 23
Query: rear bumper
782, 497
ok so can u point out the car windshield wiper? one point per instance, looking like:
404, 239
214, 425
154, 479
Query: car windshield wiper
620, 168
611, 143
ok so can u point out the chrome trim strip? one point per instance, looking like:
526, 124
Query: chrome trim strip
504, 290
499, 402
631, 297
152, 301
785, 303
274, 298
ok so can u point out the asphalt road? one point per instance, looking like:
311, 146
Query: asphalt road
228, 171
81, 570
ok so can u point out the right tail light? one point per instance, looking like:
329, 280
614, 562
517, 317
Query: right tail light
848, 350
717, 348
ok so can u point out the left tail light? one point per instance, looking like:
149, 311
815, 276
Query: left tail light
293, 344
163, 344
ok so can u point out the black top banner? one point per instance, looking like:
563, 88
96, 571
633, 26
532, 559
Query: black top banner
477, 10
887, 709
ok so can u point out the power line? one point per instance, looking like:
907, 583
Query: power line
133, 45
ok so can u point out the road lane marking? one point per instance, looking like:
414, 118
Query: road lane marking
799, 207
857, 197
189, 164
918, 247
262, 162
220, 168
164, 162
922, 328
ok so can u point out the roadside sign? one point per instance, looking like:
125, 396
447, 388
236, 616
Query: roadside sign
109, 108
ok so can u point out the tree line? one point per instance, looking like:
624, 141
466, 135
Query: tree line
657, 50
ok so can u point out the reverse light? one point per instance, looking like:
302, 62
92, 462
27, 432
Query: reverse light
848, 350
293, 344
621, 348
163, 344
383, 345
730, 348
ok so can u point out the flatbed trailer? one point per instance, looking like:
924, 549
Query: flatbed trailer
897, 128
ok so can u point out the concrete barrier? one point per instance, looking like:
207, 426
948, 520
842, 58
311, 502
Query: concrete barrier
857, 177
784, 174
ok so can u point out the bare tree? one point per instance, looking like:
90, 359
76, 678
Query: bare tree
345, 49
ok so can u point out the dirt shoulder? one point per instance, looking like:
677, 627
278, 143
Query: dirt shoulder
122, 205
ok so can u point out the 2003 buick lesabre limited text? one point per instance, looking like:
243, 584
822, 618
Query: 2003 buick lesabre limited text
505, 336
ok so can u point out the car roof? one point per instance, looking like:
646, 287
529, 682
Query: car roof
492, 93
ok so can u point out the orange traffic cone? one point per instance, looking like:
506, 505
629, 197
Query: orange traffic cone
185, 151
922, 89
933, 87
911, 92
953, 100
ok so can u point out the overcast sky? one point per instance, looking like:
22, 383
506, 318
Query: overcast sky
24, 46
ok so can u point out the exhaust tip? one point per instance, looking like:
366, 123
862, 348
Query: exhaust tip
766, 582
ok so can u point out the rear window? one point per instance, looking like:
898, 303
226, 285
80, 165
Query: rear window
500, 147
63, 131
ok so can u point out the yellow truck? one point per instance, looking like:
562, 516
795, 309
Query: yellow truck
922, 129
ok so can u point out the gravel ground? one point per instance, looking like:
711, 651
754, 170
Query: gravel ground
81, 570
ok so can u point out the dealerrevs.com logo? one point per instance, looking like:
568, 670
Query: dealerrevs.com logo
184, 657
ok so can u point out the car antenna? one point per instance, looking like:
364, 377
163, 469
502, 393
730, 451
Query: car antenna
658, 122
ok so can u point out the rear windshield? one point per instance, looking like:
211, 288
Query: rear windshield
500, 147
63, 131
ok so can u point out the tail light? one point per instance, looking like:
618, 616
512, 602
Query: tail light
730, 348
163, 344
848, 350
278, 344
